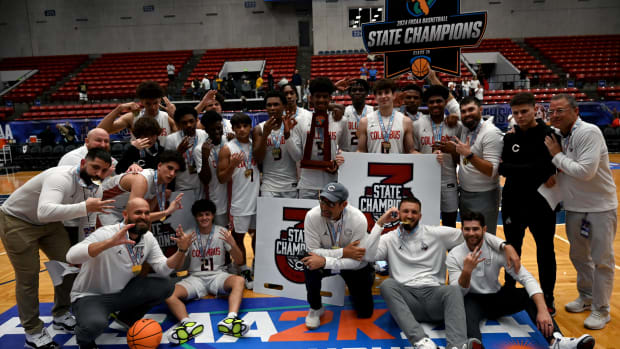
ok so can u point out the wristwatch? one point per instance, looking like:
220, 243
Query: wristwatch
471, 155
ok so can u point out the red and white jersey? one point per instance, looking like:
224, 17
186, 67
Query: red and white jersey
218, 192
352, 118
208, 253
426, 132
188, 179
112, 189
244, 190
279, 168
162, 120
375, 136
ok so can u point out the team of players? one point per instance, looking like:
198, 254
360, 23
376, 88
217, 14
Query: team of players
205, 156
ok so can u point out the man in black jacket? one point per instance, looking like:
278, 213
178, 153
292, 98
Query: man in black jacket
527, 166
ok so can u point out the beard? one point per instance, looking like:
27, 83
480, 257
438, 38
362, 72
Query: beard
88, 179
140, 228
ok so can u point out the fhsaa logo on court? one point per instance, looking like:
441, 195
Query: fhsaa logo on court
291, 247
386, 193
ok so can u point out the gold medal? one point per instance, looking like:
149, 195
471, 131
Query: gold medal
248, 173
465, 161
276, 152
136, 269
335, 247
163, 218
182, 273
385, 147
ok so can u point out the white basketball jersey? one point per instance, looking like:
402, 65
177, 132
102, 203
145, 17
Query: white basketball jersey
374, 132
162, 120
218, 192
188, 179
353, 118
426, 132
208, 252
244, 188
279, 169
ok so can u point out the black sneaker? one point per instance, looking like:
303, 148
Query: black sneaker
92, 345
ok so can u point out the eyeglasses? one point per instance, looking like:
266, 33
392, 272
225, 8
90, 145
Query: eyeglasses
557, 111
327, 203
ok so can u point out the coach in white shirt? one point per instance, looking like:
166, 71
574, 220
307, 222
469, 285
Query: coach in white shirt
31, 218
480, 150
474, 267
590, 202
109, 279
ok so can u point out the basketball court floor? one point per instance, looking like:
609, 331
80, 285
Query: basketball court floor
571, 324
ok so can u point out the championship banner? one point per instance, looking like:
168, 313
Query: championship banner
279, 248
418, 35
378, 182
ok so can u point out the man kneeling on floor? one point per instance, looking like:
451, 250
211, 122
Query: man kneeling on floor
416, 289
474, 267
108, 281
208, 276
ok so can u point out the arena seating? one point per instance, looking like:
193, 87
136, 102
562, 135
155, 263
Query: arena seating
611, 93
587, 58
116, 75
520, 58
6, 112
51, 69
282, 59
541, 94
80, 111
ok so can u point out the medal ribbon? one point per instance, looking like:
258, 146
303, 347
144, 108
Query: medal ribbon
276, 139
135, 259
566, 140
203, 252
437, 135
335, 231
474, 134
384, 133
160, 195
248, 161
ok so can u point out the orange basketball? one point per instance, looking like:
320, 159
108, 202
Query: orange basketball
144, 334
420, 67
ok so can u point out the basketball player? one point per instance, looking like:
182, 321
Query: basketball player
279, 177
144, 151
416, 289
207, 158
213, 100
148, 184
150, 94
412, 98
474, 267
385, 130
358, 91
312, 180
431, 134
237, 164
480, 150
335, 235
185, 142
290, 92
108, 280
207, 275
30, 219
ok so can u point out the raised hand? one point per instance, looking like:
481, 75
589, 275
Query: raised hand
130, 107
472, 259
134, 168
289, 123
175, 205
462, 148
236, 159
120, 238
183, 241
343, 84
184, 145
141, 143
226, 235
552, 145
269, 126
390, 216
98, 205
207, 146
169, 108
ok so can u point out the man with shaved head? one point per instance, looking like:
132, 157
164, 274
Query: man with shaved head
96, 138
109, 280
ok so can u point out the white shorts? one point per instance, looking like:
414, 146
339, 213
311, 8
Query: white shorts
449, 199
221, 220
244, 223
200, 286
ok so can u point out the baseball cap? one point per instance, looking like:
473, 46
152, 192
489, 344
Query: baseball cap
334, 192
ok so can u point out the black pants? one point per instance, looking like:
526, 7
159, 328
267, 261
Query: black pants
508, 300
538, 216
137, 298
358, 281
74, 234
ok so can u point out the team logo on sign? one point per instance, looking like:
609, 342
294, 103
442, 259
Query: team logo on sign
420, 35
290, 247
387, 192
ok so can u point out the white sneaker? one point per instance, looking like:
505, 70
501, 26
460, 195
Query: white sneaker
597, 320
584, 342
184, 332
424, 343
41, 340
579, 305
472, 343
313, 319
64, 322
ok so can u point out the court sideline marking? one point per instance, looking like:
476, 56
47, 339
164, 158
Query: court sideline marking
563, 239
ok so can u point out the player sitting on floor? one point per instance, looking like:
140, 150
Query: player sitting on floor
208, 276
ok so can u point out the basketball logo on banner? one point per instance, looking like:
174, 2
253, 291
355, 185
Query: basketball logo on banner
290, 247
386, 193
420, 35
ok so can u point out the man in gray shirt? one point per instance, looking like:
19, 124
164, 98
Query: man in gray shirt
31, 218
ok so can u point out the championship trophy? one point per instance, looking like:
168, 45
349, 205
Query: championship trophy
319, 133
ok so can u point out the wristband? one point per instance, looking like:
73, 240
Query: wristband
181, 250
471, 155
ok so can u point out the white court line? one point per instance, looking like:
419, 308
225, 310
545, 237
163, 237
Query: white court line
2, 253
563, 239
